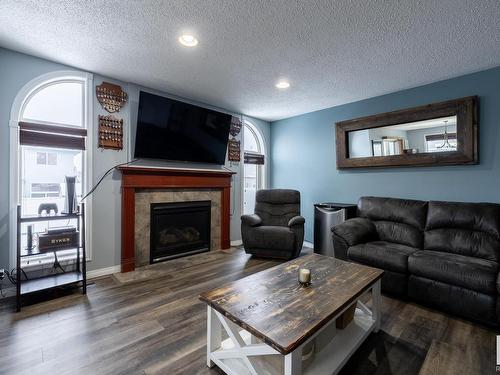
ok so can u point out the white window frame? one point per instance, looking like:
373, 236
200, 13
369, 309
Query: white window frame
46, 158
262, 171
23, 96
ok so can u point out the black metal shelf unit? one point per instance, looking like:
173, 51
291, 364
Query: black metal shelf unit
79, 275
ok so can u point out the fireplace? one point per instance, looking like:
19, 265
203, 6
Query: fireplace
142, 186
179, 229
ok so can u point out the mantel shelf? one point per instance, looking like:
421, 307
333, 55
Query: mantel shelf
173, 171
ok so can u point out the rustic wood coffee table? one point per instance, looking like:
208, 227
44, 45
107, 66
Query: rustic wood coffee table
267, 323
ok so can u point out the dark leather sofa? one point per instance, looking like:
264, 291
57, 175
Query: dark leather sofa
276, 230
443, 254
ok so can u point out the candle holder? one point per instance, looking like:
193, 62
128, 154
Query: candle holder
304, 276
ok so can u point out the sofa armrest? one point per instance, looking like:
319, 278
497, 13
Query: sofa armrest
356, 231
340, 247
251, 220
296, 220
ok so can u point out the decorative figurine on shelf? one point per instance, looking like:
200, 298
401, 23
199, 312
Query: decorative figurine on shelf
111, 97
47, 208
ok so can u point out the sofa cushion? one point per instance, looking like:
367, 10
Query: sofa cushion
470, 229
382, 254
467, 272
411, 212
397, 220
401, 233
270, 237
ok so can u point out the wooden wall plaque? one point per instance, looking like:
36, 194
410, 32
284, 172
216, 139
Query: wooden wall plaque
235, 128
234, 153
110, 132
234, 145
111, 97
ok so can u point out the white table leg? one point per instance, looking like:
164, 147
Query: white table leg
293, 362
214, 334
376, 305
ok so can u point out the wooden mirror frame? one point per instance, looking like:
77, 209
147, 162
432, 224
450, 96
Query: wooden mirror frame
466, 110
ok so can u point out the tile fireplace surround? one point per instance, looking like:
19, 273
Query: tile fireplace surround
142, 186
143, 200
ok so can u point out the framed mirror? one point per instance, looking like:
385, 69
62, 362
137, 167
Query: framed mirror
443, 133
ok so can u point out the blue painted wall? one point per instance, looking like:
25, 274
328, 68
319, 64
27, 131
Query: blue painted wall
303, 151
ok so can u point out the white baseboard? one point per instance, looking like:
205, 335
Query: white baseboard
309, 244
103, 271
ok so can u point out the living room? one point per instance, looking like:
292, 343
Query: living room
282, 187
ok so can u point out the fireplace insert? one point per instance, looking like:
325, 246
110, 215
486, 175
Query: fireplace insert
179, 229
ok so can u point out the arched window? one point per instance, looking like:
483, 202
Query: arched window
52, 139
254, 165
59, 103
49, 122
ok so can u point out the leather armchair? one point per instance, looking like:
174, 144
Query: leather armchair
276, 229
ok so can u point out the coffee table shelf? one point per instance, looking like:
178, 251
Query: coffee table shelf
343, 344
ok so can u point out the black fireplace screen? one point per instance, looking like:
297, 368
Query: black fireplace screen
179, 228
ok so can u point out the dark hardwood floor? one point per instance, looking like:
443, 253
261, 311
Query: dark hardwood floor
151, 322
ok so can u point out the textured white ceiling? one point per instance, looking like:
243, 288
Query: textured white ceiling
333, 52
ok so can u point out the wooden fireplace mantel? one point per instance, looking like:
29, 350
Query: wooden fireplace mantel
134, 178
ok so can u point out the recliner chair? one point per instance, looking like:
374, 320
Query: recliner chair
276, 230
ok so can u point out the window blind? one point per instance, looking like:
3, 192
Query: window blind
253, 158
33, 134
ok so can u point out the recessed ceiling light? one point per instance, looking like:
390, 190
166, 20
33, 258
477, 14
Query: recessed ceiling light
282, 85
188, 40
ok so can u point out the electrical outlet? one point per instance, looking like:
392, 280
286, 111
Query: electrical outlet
2, 273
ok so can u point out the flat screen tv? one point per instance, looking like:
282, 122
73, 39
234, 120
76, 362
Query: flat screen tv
172, 130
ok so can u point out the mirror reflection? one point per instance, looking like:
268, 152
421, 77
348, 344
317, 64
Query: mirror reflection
435, 135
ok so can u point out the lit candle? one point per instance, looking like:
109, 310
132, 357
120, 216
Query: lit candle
304, 276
